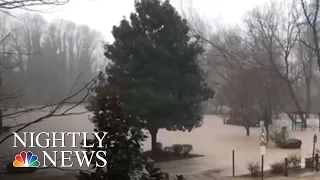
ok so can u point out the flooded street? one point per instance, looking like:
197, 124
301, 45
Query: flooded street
214, 140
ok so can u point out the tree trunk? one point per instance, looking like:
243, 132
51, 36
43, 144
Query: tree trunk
267, 127
267, 132
246, 124
269, 121
303, 121
308, 97
291, 117
266, 123
153, 133
248, 130
297, 104
1, 125
277, 115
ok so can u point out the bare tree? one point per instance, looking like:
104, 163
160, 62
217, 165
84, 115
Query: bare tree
305, 57
268, 45
5, 7
25, 4
234, 58
15, 51
241, 98
276, 32
311, 13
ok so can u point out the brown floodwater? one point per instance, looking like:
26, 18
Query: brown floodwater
214, 139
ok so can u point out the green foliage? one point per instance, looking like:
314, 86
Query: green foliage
154, 68
186, 149
177, 149
122, 143
159, 146
277, 167
254, 168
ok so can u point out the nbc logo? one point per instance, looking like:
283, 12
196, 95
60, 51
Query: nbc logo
26, 159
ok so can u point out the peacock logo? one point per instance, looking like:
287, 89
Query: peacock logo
26, 159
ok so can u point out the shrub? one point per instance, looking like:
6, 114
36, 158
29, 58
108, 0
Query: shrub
168, 149
277, 167
294, 160
177, 149
179, 177
159, 146
186, 149
254, 168
278, 137
309, 162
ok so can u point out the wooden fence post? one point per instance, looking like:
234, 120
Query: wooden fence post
317, 162
233, 171
286, 167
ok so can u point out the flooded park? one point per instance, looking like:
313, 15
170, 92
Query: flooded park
214, 139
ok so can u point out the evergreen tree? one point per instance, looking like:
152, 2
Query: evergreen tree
155, 70
122, 143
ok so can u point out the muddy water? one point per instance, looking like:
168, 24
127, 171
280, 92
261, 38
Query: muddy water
214, 139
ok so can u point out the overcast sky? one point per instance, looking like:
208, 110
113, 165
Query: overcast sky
103, 14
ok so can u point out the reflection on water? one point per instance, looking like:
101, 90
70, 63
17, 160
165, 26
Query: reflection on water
214, 139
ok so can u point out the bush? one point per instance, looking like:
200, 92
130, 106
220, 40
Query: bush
180, 177
159, 146
277, 167
168, 149
254, 168
186, 149
294, 160
309, 162
279, 137
177, 149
